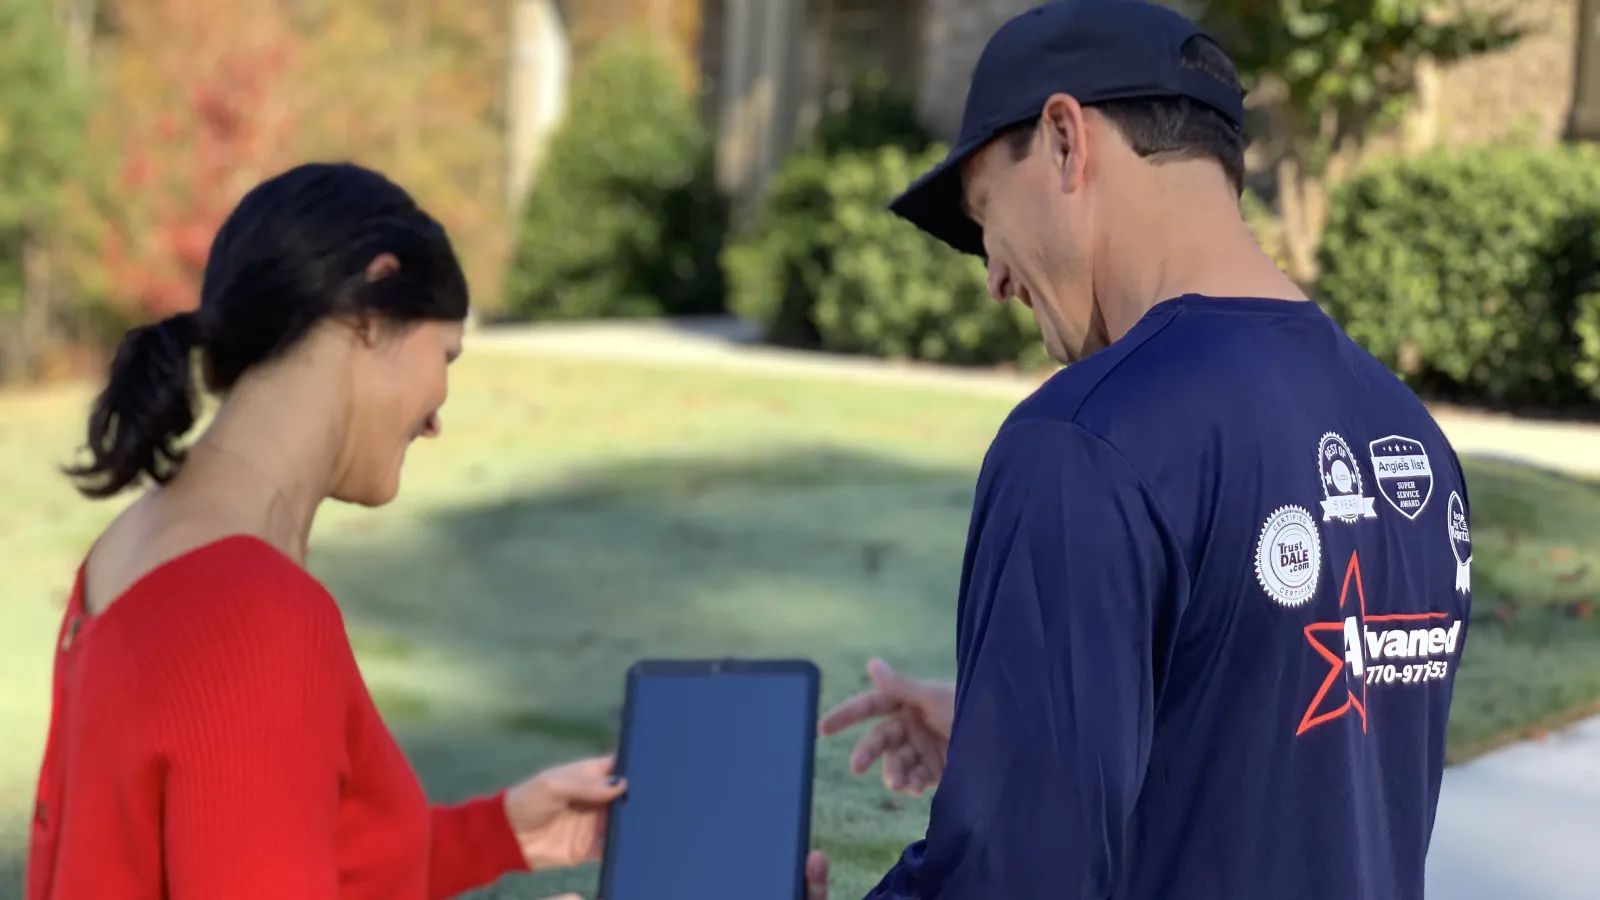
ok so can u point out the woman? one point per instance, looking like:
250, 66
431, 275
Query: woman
211, 735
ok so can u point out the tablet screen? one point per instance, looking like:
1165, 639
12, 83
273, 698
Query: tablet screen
718, 763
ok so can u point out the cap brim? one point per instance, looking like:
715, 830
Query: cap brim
934, 204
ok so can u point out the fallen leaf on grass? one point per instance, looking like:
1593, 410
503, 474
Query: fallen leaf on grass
1561, 554
1574, 575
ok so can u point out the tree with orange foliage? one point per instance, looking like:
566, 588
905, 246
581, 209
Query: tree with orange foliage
197, 114
415, 89
671, 24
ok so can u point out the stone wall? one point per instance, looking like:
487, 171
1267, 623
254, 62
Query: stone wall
1523, 92
953, 35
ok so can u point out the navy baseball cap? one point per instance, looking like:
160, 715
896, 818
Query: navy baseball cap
1095, 50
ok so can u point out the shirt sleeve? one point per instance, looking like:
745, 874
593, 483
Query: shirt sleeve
251, 705
472, 845
1070, 588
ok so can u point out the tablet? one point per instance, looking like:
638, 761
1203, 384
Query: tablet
718, 757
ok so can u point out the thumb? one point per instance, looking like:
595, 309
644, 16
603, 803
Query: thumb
891, 682
816, 876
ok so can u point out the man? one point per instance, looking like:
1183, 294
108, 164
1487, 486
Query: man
1218, 573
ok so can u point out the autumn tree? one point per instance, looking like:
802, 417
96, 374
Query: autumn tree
197, 112
211, 98
673, 25
416, 89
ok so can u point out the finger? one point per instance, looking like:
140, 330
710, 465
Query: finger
597, 840
921, 779
816, 876
928, 767
601, 766
926, 695
897, 767
858, 709
587, 782
929, 747
887, 679
879, 739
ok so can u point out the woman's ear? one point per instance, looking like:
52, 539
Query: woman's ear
382, 266
369, 328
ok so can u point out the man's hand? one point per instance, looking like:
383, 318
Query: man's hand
912, 734
816, 876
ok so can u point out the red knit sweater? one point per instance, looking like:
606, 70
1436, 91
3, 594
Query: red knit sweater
211, 737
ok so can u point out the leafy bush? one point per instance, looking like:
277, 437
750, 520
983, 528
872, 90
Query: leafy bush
625, 218
831, 267
870, 113
1474, 271
41, 148
1266, 226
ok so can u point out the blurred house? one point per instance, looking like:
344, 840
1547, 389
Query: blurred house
771, 66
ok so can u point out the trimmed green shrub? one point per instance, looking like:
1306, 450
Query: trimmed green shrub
1473, 272
625, 218
873, 113
830, 267
1265, 225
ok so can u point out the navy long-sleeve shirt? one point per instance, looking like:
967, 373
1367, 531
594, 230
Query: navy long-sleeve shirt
1214, 596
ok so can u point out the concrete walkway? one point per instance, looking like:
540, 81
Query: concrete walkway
1522, 823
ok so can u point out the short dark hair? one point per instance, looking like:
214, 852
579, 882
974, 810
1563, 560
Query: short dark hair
294, 252
1169, 128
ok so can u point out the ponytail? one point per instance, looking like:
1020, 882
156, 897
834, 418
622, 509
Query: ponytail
147, 406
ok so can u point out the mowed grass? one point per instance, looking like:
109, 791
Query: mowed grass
577, 516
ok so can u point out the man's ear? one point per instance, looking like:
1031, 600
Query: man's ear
1066, 139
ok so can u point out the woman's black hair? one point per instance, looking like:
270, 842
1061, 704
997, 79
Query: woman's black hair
295, 251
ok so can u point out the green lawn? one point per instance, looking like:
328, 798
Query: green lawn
577, 516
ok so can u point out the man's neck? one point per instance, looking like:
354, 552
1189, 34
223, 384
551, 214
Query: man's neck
1177, 248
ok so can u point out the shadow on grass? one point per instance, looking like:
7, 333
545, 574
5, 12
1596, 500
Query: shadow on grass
496, 637
521, 617
13, 866
551, 595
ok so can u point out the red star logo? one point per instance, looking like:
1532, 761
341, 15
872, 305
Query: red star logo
1336, 662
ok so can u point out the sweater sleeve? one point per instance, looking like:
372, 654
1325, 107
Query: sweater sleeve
250, 695
472, 845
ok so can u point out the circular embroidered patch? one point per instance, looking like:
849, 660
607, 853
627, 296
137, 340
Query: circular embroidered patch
1289, 556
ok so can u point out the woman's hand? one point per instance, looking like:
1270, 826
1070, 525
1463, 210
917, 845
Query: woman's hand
559, 815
